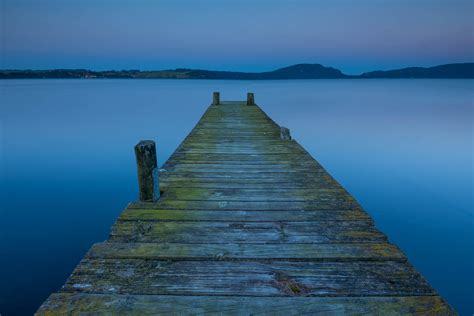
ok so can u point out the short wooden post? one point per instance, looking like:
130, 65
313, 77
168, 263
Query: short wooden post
250, 98
147, 169
285, 133
216, 98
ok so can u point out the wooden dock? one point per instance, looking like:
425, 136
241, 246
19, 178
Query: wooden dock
247, 223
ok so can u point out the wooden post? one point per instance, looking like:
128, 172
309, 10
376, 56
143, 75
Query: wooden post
250, 98
216, 98
285, 133
147, 169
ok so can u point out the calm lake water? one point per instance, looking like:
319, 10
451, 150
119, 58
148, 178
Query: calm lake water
403, 148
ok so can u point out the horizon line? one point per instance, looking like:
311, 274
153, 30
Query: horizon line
233, 71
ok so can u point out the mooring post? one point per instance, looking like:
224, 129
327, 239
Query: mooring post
285, 133
216, 98
147, 169
250, 98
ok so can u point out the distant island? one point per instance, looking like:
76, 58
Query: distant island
300, 71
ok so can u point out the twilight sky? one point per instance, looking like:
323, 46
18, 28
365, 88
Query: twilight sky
248, 35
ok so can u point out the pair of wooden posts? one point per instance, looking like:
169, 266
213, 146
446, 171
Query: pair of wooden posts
216, 98
147, 164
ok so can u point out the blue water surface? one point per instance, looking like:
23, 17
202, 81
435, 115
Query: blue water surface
403, 148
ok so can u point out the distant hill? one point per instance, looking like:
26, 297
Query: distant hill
303, 71
300, 71
465, 70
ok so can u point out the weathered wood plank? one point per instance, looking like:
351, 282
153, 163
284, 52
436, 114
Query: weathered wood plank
246, 232
190, 167
254, 158
238, 194
304, 173
131, 214
236, 149
300, 252
233, 150
238, 142
308, 205
259, 158
115, 304
215, 134
262, 178
250, 278
256, 177
224, 184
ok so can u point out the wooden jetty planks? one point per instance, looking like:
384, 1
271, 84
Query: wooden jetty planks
208, 251
246, 278
246, 232
76, 303
247, 223
161, 215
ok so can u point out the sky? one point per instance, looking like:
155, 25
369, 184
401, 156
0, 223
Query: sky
246, 35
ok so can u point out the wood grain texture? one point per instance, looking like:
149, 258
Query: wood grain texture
246, 232
160, 215
247, 223
228, 251
249, 278
116, 304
